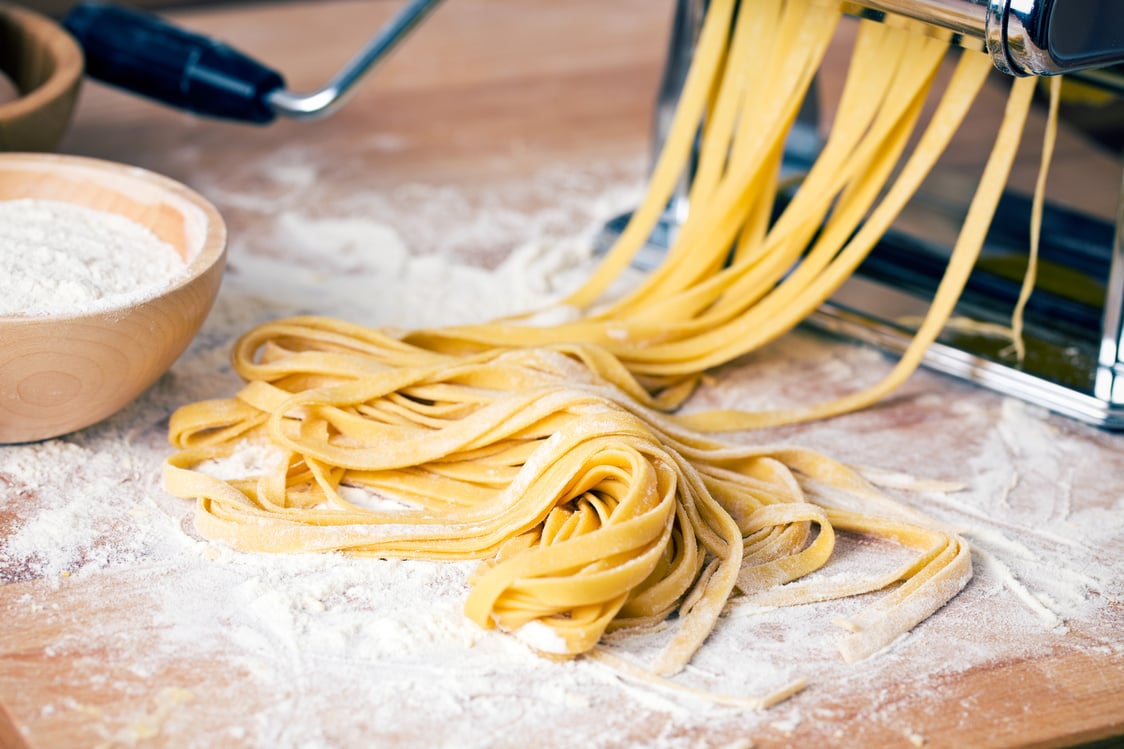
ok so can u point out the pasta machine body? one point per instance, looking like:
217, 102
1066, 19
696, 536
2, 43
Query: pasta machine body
1074, 362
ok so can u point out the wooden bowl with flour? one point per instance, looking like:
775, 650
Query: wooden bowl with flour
107, 272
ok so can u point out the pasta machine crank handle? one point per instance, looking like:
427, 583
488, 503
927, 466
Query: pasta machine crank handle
146, 55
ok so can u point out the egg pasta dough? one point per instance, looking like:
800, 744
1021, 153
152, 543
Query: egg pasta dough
561, 456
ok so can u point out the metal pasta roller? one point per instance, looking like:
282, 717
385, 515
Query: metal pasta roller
1074, 321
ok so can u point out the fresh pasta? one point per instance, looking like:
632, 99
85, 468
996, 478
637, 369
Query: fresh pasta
563, 456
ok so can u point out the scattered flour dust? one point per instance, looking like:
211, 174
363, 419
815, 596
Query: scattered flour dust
59, 258
193, 640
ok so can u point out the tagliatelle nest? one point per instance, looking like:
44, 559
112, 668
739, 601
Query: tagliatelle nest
555, 454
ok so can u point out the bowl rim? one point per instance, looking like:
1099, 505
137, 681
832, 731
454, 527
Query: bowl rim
211, 248
64, 50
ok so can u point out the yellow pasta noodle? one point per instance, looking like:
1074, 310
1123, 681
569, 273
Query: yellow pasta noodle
558, 455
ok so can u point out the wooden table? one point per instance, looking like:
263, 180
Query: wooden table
501, 124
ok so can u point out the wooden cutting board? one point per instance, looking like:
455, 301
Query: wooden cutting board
499, 124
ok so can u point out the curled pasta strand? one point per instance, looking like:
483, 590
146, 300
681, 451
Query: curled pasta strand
562, 457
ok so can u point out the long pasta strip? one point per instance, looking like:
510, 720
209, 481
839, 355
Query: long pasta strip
668, 500
555, 454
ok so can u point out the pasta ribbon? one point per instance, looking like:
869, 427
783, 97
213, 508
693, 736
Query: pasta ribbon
562, 457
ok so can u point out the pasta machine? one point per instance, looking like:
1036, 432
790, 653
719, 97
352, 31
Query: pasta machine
1074, 325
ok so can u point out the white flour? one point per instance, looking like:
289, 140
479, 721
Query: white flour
60, 258
147, 630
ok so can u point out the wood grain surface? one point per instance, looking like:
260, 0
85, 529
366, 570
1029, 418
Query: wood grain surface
516, 109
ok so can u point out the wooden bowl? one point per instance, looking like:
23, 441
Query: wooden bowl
62, 373
45, 63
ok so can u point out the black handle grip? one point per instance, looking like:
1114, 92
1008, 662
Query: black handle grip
146, 55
